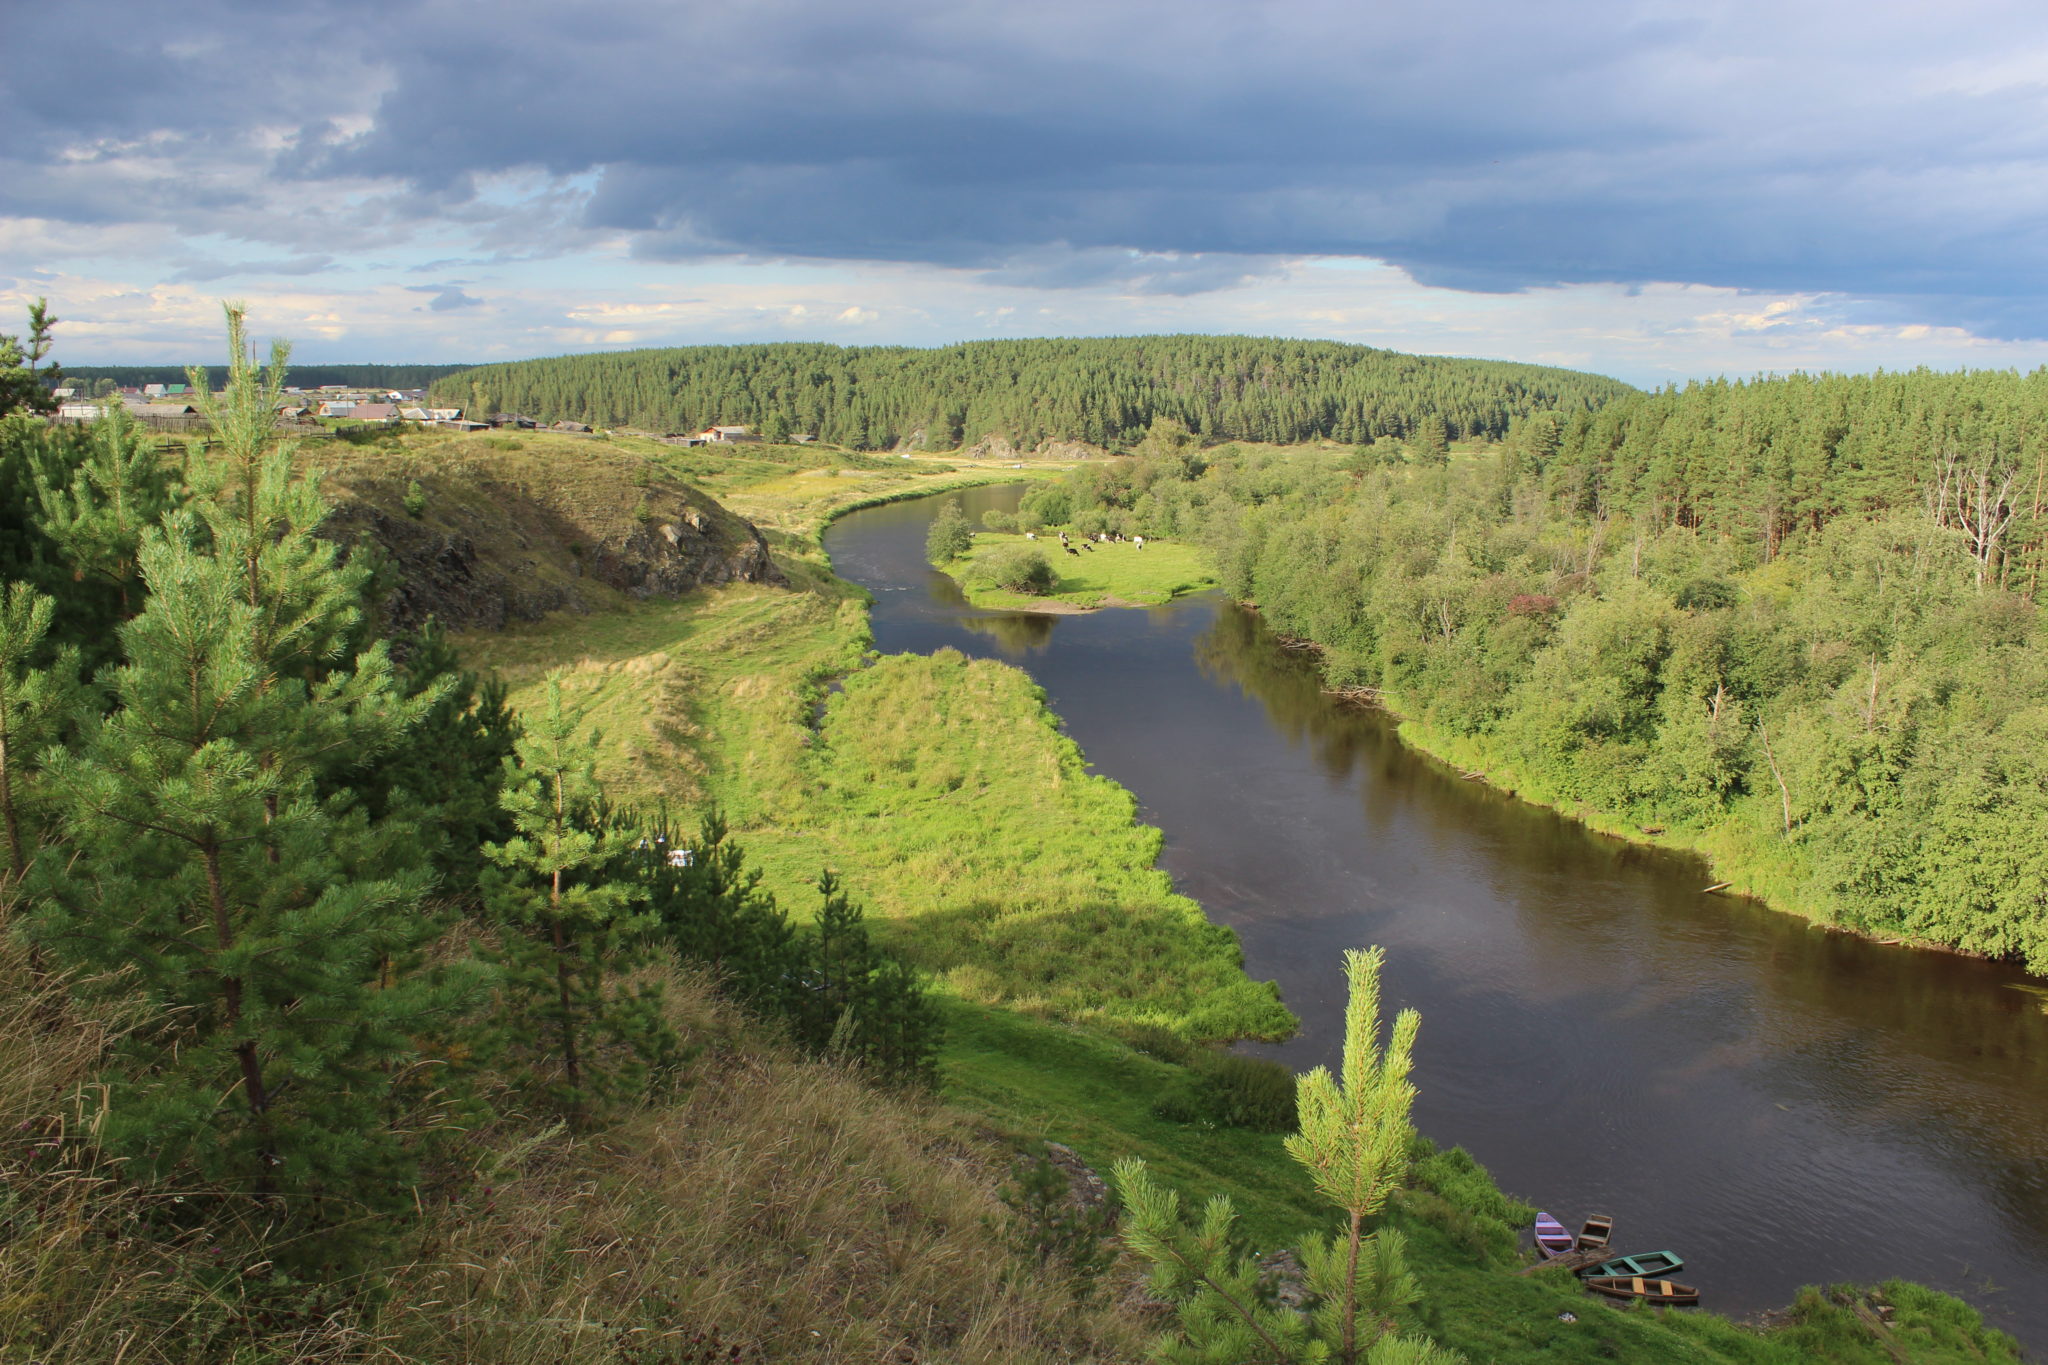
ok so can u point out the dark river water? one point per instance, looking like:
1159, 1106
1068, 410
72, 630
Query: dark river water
1777, 1104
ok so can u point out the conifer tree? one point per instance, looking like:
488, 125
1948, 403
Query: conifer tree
278, 931
97, 517
449, 774
861, 1002
24, 386
1353, 1140
35, 705
565, 922
1354, 1143
710, 908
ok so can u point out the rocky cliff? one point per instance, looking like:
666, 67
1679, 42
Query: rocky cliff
480, 537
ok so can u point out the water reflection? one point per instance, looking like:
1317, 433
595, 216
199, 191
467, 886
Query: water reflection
1771, 1100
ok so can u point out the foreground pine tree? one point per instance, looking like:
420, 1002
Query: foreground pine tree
35, 706
277, 934
861, 1003
1354, 1141
98, 516
566, 924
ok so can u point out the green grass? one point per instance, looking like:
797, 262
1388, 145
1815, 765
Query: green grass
1112, 575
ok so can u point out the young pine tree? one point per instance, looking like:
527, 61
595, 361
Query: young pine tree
1354, 1143
859, 1001
97, 517
448, 775
274, 930
710, 908
35, 706
566, 923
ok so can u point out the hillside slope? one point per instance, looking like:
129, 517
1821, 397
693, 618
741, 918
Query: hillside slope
484, 531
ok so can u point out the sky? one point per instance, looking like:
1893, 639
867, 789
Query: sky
1649, 189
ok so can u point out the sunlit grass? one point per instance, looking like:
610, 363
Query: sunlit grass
1100, 575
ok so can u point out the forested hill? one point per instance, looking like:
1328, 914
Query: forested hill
1762, 460
1102, 390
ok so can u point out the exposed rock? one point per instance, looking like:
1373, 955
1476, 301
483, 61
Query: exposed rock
1282, 1275
1002, 448
500, 542
1085, 1189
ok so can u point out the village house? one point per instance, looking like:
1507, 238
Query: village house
374, 412
726, 435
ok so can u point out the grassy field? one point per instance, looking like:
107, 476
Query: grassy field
944, 793
1103, 575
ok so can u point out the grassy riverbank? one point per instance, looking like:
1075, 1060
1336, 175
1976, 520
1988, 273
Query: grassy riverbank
1111, 574
943, 791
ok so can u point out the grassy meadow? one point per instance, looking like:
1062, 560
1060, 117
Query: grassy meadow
1116, 574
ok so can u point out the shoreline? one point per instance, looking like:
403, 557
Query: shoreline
1735, 882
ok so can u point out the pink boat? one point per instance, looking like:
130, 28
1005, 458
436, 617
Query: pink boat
1551, 1238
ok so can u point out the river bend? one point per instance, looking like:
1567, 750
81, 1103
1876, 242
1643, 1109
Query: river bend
1778, 1104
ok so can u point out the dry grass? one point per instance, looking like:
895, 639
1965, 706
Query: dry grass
775, 1205
783, 1207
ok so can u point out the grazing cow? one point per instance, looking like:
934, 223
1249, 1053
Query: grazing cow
1088, 546
1074, 552
1139, 541
1031, 535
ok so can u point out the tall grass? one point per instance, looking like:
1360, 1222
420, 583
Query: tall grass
943, 789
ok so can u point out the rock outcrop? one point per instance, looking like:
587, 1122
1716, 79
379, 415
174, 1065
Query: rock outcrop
480, 542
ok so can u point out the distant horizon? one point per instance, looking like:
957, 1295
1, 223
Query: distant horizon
298, 361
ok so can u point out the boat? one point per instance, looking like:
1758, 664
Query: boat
1649, 1291
1593, 1236
1643, 1263
1551, 1238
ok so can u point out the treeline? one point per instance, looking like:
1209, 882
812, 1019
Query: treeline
1105, 391
330, 905
1761, 461
304, 376
1819, 660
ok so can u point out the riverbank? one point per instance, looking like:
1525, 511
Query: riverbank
991, 807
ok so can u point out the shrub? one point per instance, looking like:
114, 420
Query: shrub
949, 536
415, 500
1247, 1092
997, 520
1231, 1090
1018, 568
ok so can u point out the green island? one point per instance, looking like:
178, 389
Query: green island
619, 1144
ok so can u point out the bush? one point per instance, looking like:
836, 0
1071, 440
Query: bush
1247, 1092
415, 500
1052, 504
1230, 1090
949, 537
997, 520
1018, 568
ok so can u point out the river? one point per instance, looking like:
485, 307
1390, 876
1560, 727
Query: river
1778, 1104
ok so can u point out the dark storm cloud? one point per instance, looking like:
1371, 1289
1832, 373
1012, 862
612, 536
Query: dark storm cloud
1890, 151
